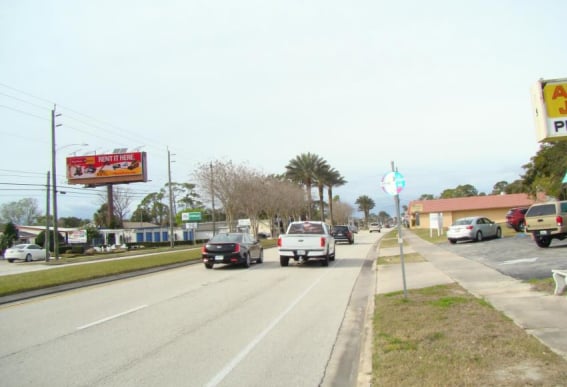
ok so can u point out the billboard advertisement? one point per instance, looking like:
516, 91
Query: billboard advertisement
107, 168
549, 99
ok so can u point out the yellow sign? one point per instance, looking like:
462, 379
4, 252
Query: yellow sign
555, 97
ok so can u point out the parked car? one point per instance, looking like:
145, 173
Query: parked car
25, 252
237, 247
374, 227
547, 221
516, 218
343, 233
473, 228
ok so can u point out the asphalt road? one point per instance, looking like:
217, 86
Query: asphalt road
230, 326
517, 256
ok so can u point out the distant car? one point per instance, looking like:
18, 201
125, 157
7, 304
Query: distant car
25, 252
235, 248
343, 234
516, 218
473, 228
374, 227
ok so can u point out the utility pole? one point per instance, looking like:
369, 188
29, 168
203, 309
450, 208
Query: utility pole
46, 243
54, 180
171, 236
213, 199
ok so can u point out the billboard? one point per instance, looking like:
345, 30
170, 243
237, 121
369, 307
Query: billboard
549, 100
107, 168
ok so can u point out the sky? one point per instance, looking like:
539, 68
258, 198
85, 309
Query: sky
440, 89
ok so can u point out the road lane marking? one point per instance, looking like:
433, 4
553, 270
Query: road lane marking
521, 260
242, 354
112, 317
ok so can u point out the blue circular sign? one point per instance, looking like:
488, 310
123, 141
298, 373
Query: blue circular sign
393, 183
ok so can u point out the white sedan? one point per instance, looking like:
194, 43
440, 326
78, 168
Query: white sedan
473, 228
25, 252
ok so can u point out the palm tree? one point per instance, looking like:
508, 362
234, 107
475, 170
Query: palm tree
365, 204
302, 169
332, 179
321, 176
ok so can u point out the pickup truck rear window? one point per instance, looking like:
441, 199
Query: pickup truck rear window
546, 209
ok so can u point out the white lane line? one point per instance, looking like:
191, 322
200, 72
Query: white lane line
112, 317
242, 354
521, 260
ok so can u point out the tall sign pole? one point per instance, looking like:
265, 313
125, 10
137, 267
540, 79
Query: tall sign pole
171, 235
393, 183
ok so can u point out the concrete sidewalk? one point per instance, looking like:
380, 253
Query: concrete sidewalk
541, 315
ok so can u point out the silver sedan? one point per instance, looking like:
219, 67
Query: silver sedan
474, 228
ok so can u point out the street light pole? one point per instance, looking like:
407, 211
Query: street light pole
54, 182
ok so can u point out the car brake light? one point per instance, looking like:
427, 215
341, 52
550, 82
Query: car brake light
323, 240
469, 227
280, 242
559, 221
203, 249
237, 248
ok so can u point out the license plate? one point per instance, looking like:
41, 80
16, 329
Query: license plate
219, 258
544, 232
300, 252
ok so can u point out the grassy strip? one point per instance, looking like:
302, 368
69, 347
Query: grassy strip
17, 283
393, 259
40, 279
442, 335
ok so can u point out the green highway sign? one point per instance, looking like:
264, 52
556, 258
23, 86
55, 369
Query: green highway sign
194, 216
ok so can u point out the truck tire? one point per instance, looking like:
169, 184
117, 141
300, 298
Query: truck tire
542, 241
325, 261
284, 261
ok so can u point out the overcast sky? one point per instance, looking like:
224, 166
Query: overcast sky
440, 88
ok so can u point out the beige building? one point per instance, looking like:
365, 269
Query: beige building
423, 212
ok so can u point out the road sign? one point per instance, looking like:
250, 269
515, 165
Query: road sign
194, 216
393, 183
190, 216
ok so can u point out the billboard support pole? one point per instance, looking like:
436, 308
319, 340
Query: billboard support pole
171, 236
110, 205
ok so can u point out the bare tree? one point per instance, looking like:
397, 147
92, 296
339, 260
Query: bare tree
24, 211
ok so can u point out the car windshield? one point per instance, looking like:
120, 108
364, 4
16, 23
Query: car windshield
463, 221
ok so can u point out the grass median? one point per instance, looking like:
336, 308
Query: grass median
444, 336
66, 272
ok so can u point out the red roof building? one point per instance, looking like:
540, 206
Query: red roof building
493, 207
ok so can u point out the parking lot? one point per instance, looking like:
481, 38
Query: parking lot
517, 256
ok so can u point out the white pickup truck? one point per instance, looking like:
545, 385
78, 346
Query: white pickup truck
307, 240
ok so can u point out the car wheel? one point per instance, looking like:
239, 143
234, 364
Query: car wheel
325, 261
247, 261
28, 258
521, 226
542, 241
261, 258
284, 261
478, 236
10, 260
498, 233
209, 265
452, 241
351, 241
